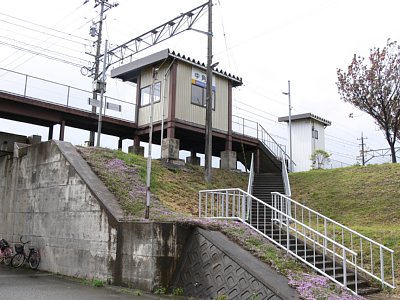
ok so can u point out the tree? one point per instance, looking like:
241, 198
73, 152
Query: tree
374, 88
319, 158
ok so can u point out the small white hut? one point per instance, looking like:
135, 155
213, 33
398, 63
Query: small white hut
308, 135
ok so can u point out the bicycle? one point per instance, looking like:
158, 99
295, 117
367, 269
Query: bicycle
6, 252
33, 257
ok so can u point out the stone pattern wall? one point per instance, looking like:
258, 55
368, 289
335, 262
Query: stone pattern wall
43, 199
210, 267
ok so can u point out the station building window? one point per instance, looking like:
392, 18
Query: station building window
145, 94
199, 96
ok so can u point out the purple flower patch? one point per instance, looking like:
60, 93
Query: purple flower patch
315, 287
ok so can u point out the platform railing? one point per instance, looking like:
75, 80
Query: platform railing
253, 129
48, 91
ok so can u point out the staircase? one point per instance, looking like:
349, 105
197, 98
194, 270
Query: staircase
260, 218
330, 248
263, 185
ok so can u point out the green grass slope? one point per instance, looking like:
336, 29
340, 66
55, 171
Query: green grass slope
175, 198
364, 198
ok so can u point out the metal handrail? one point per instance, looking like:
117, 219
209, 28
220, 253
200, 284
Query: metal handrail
231, 204
67, 94
258, 131
348, 237
285, 177
251, 176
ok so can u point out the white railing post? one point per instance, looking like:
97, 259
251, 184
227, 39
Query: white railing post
243, 207
199, 205
68, 91
344, 268
26, 84
226, 203
382, 265
392, 269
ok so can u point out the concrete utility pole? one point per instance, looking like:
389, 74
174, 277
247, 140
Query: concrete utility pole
208, 133
362, 148
104, 5
103, 89
290, 127
149, 157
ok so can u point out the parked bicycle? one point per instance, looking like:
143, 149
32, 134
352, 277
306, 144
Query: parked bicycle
6, 252
20, 256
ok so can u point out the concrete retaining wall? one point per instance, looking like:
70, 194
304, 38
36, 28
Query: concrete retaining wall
44, 200
49, 195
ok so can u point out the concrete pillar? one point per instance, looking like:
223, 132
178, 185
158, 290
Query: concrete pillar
120, 144
62, 130
50, 137
228, 160
170, 149
193, 159
34, 139
136, 149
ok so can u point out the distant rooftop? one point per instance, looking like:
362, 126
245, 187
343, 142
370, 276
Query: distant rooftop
130, 71
305, 116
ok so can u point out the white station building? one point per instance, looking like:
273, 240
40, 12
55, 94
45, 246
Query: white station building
308, 135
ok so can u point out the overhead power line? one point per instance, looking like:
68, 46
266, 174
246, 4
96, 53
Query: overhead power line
28, 48
42, 54
42, 26
45, 33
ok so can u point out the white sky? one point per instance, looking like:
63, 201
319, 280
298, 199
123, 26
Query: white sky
266, 43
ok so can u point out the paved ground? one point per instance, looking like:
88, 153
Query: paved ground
22, 284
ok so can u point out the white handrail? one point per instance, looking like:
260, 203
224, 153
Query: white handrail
231, 204
251, 176
333, 221
285, 178
367, 262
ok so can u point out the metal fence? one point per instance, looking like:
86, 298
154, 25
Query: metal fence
53, 92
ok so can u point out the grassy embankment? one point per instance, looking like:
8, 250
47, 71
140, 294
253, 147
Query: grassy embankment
175, 197
364, 198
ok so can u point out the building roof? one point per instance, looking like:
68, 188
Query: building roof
130, 71
305, 116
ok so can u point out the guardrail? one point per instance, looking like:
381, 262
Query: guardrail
251, 128
374, 259
53, 92
234, 203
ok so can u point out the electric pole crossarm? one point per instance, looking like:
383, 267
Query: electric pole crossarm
161, 33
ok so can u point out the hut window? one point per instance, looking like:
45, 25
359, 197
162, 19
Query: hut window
199, 96
315, 134
145, 94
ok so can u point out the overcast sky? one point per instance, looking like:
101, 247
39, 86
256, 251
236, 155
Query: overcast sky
266, 43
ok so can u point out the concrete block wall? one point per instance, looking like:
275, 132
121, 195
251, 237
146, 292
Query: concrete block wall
43, 199
150, 253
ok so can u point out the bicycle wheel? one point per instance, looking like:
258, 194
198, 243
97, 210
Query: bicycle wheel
34, 260
17, 260
8, 254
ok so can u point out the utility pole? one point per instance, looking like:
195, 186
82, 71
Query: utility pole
103, 89
104, 5
148, 168
362, 148
208, 132
290, 127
